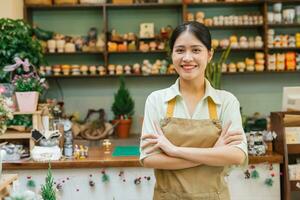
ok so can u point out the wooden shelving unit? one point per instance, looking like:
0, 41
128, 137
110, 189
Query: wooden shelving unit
15, 135
278, 124
181, 8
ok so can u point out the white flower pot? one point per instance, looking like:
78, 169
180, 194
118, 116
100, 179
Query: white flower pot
27, 101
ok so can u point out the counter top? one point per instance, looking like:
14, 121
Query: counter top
98, 159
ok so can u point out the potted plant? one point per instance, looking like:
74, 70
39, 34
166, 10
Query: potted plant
123, 109
213, 70
48, 189
16, 39
27, 84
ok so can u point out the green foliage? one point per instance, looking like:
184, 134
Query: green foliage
254, 174
48, 191
16, 41
105, 178
31, 184
269, 182
213, 70
21, 120
123, 106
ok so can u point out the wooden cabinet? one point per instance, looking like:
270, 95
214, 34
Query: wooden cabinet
24, 136
279, 121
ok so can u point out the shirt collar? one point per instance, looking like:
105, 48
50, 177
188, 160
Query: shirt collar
173, 92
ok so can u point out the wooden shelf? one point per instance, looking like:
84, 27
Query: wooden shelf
263, 72
293, 148
284, 49
145, 5
222, 3
137, 52
240, 49
167, 75
27, 113
65, 6
110, 76
74, 53
236, 26
15, 135
284, 25
283, 1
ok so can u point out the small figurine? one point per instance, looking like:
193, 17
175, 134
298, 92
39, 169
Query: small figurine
127, 69
136, 68
107, 146
102, 70
119, 69
111, 69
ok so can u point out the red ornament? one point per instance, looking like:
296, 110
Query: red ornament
272, 174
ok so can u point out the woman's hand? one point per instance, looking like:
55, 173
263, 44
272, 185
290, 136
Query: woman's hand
229, 138
158, 141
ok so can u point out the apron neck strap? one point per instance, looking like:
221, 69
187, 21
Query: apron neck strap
171, 107
212, 108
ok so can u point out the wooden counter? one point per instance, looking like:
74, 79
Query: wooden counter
98, 159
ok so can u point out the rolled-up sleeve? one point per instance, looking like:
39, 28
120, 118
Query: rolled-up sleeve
151, 115
232, 113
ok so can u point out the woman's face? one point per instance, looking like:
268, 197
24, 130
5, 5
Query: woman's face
190, 56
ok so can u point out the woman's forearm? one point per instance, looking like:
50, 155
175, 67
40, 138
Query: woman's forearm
163, 161
217, 156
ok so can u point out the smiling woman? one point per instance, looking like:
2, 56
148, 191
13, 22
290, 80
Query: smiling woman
189, 149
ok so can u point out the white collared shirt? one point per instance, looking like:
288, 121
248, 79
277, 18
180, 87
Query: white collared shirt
228, 109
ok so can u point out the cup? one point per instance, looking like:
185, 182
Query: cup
277, 7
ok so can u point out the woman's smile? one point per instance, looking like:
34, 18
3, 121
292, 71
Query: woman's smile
188, 68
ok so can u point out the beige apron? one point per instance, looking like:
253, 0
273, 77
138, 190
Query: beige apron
197, 183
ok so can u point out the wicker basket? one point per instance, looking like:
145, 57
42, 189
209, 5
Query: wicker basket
65, 2
38, 2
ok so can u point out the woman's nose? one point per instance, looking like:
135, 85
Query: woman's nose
187, 56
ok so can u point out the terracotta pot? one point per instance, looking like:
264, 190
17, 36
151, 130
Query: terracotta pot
123, 127
27, 101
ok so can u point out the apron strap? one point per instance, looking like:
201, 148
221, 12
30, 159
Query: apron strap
171, 107
212, 108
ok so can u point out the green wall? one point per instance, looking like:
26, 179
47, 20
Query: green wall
261, 92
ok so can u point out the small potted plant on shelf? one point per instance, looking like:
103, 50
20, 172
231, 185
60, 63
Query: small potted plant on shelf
5, 113
123, 109
27, 84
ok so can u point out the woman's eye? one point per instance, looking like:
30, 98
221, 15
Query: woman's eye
196, 50
179, 50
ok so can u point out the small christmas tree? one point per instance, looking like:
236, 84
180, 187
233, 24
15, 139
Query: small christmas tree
48, 191
123, 106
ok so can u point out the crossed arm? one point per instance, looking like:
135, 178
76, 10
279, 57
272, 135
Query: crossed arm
173, 157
